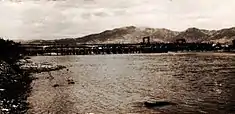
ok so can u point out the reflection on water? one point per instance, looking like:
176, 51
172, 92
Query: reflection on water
198, 83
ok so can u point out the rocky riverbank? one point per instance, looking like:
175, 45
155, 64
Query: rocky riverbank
31, 67
15, 84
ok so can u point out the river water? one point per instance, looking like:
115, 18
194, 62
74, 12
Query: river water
196, 82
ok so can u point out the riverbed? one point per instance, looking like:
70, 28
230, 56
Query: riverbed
195, 82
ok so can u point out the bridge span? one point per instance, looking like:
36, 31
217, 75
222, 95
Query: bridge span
89, 49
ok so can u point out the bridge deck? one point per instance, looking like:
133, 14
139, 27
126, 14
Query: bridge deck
82, 49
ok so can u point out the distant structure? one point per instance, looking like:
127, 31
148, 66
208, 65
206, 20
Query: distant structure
146, 40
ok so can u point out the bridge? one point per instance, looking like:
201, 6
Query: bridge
92, 49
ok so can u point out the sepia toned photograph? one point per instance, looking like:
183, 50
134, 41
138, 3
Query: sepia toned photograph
117, 56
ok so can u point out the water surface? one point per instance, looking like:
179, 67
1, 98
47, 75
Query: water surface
196, 82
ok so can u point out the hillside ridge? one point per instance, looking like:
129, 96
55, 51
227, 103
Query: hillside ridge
133, 34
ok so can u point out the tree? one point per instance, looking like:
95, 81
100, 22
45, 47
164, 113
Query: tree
10, 51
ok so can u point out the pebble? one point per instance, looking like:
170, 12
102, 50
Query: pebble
56, 85
5, 110
2, 89
14, 106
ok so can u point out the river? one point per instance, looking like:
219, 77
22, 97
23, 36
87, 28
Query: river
196, 82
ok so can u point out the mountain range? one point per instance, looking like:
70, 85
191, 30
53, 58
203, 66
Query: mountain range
132, 34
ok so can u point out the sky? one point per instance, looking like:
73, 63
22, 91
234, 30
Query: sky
53, 19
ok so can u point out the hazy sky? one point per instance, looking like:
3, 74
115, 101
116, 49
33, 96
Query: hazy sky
50, 19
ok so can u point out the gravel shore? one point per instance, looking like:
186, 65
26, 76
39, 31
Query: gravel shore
15, 84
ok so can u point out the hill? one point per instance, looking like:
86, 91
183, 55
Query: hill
132, 34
